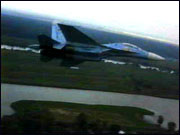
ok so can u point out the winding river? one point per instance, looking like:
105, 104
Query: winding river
168, 108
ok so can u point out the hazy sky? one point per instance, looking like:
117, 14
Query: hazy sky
155, 19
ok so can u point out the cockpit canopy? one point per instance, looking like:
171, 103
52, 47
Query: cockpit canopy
131, 45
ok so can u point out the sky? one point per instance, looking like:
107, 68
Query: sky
152, 19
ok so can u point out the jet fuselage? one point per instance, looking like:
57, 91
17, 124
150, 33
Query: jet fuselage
68, 42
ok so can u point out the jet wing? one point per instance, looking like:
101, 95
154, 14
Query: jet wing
73, 35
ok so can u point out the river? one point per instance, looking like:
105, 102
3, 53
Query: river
168, 108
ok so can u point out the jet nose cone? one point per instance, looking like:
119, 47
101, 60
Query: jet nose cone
154, 56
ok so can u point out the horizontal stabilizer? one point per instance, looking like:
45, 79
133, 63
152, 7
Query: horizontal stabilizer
46, 43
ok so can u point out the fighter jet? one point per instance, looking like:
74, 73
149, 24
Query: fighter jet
69, 43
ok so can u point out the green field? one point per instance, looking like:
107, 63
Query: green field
130, 116
127, 118
26, 68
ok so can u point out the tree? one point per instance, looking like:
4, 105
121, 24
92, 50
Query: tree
81, 121
160, 120
37, 121
94, 126
171, 126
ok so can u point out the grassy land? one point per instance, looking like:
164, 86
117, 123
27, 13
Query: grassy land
26, 68
54, 117
128, 118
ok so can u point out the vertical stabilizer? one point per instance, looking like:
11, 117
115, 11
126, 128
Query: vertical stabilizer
57, 34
